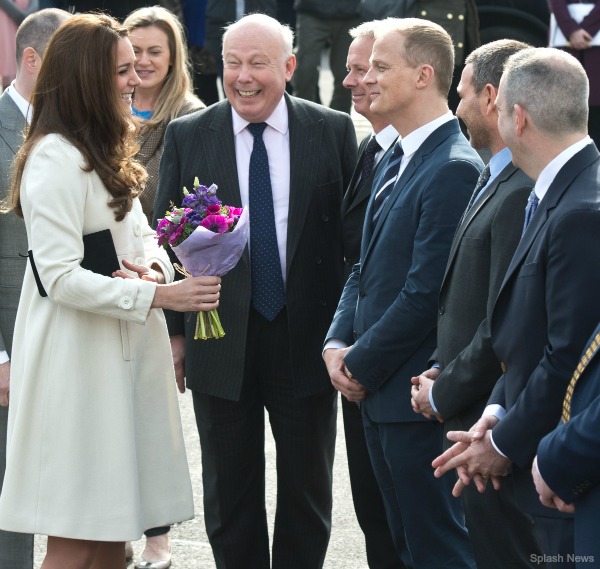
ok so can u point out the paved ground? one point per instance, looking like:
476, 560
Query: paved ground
191, 549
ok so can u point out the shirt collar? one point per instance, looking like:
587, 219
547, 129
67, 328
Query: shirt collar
21, 102
386, 137
411, 142
548, 174
499, 161
278, 120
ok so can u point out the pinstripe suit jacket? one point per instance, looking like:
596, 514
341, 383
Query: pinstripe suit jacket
322, 158
13, 238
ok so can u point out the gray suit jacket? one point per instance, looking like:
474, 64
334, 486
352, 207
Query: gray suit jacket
13, 238
322, 158
480, 254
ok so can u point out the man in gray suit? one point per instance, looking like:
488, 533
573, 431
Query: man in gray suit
482, 248
297, 157
16, 550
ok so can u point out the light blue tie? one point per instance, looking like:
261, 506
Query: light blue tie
532, 204
268, 293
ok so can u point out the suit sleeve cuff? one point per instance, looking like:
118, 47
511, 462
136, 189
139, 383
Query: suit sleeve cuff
494, 445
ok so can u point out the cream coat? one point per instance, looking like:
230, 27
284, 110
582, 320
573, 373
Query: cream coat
95, 446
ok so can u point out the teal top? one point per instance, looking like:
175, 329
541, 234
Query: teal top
142, 114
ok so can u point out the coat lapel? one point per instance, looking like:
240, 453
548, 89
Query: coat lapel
559, 186
305, 142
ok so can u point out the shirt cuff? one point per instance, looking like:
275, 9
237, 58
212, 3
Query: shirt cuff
431, 400
333, 344
496, 410
494, 445
4, 357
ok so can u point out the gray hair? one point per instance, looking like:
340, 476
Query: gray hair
489, 59
537, 79
284, 31
366, 29
425, 42
36, 30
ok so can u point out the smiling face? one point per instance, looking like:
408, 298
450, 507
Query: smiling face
471, 108
127, 79
390, 80
255, 72
152, 56
358, 65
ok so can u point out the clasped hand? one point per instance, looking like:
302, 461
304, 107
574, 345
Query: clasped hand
474, 457
421, 386
340, 375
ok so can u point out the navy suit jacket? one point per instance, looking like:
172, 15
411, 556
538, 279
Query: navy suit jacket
569, 456
545, 311
388, 309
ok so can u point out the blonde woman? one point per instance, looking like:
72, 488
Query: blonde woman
165, 91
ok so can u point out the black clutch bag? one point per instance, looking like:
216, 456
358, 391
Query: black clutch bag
99, 256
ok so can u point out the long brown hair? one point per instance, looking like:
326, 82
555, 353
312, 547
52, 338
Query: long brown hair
76, 97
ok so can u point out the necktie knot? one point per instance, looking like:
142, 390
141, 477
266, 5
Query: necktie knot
372, 147
398, 151
257, 128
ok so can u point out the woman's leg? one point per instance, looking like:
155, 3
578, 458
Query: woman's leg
65, 553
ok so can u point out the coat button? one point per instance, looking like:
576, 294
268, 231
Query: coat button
325, 217
126, 302
318, 260
503, 367
139, 260
362, 293
441, 310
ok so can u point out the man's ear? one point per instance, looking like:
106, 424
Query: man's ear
426, 76
489, 94
521, 118
31, 61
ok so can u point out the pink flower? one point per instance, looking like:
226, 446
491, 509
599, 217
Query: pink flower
213, 209
215, 223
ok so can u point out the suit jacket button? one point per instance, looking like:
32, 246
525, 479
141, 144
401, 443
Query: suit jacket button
503, 367
362, 293
325, 217
442, 310
318, 260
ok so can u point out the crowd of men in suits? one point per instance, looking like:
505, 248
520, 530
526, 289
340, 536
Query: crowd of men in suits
447, 301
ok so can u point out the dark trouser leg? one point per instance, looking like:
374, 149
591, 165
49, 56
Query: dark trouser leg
556, 539
423, 516
368, 504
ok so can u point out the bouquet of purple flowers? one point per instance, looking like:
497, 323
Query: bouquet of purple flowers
208, 238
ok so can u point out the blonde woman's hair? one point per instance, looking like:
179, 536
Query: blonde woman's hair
176, 92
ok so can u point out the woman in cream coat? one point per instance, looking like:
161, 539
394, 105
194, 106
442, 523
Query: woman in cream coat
95, 447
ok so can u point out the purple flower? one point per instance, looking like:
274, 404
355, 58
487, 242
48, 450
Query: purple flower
215, 223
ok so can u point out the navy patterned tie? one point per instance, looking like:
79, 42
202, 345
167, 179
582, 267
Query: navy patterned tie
368, 161
483, 179
388, 181
532, 204
268, 294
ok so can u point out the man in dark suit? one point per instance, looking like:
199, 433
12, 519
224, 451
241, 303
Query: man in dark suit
466, 368
565, 471
384, 328
270, 355
547, 305
16, 550
368, 505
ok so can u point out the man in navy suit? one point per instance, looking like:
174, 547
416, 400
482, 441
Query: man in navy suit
383, 331
565, 471
466, 367
548, 303
368, 505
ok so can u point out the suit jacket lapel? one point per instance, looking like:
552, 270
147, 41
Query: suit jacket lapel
305, 136
428, 146
559, 186
351, 201
12, 122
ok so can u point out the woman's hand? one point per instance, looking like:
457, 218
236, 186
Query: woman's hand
580, 39
189, 295
143, 272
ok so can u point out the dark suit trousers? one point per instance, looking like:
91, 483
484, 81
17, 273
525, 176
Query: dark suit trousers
368, 504
233, 461
16, 549
425, 520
